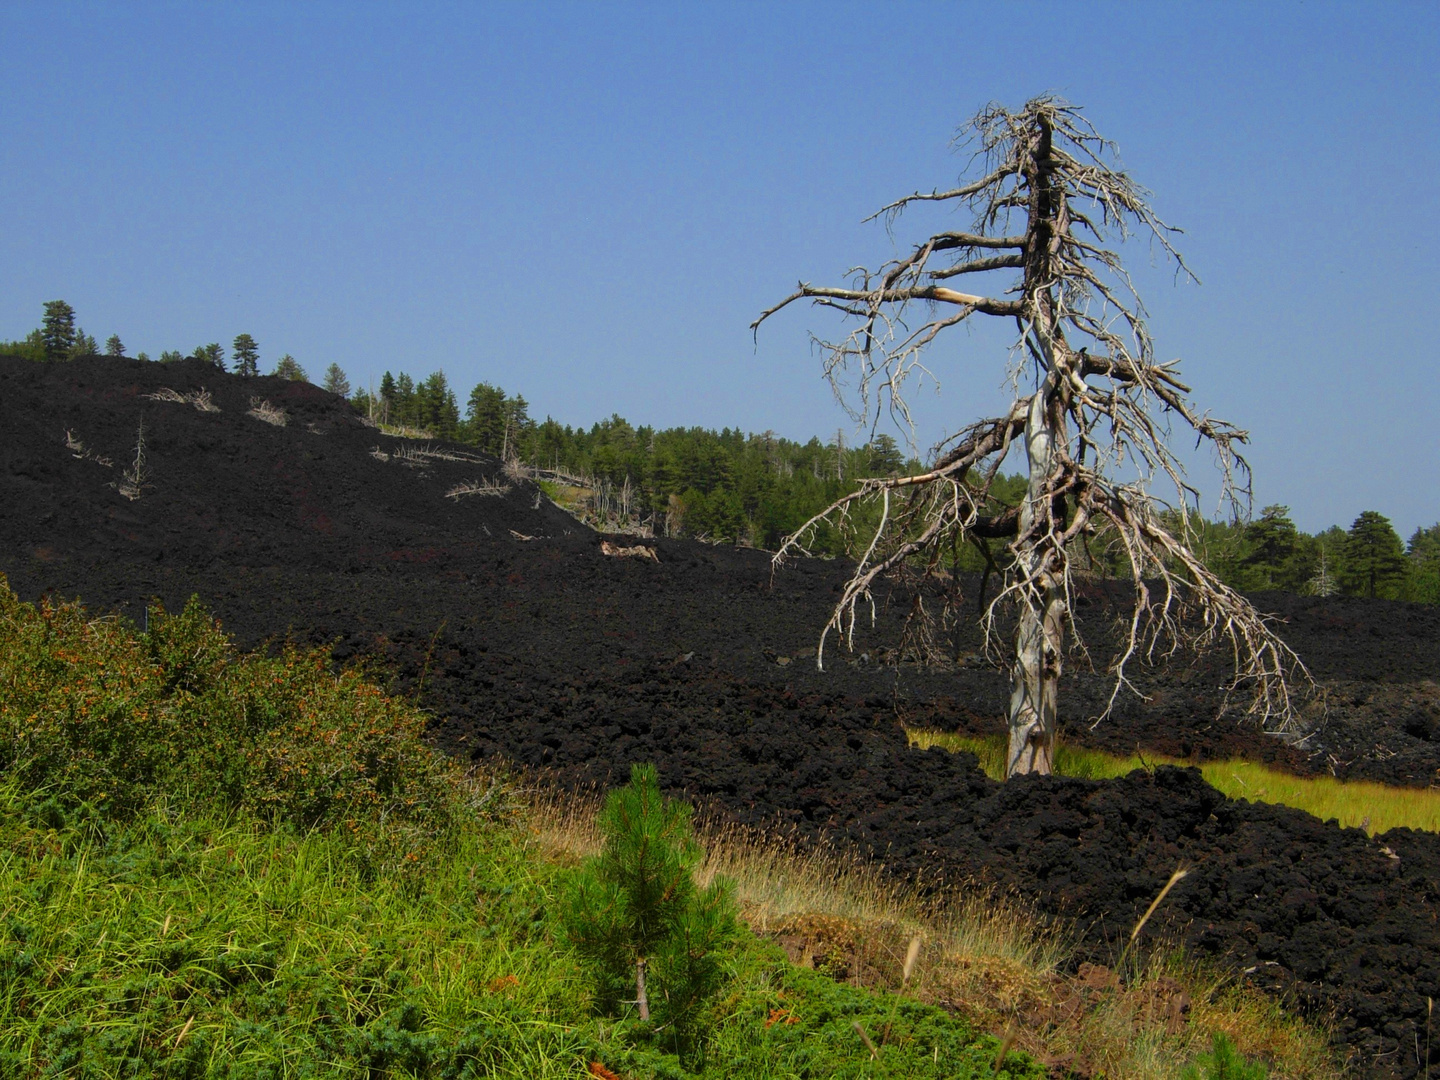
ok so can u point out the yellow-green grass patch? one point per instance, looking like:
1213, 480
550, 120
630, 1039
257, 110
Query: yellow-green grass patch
1353, 803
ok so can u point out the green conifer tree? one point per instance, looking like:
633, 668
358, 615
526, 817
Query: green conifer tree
247, 355
58, 330
1423, 551
214, 353
287, 367
1270, 544
635, 912
1374, 558
336, 381
436, 408
114, 346
485, 418
387, 397
85, 345
403, 411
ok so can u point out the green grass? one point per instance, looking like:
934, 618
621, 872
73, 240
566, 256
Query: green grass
195, 946
1354, 803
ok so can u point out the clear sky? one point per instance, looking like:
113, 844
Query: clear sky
587, 204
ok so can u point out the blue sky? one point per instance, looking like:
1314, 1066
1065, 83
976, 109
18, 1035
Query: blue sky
588, 204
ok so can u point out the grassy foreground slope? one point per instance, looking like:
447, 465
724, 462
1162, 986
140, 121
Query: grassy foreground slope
194, 946
218, 865
223, 865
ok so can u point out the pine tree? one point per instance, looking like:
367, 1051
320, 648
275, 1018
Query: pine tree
114, 346
1271, 543
85, 345
1423, 552
247, 355
485, 418
171, 356
436, 407
1374, 558
387, 397
517, 426
885, 456
58, 330
287, 367
1224, 1062
636, 911
336, 382
214, 353
404, 406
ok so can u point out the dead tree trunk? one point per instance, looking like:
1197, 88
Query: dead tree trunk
1039, 640
1095, 429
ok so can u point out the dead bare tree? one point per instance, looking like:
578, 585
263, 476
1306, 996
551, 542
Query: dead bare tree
1092, 411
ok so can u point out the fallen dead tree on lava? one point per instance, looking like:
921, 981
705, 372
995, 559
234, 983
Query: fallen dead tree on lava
1051, 206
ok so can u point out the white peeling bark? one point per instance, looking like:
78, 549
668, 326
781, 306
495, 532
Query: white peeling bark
1035, 677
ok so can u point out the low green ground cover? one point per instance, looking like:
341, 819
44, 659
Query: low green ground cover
243, 866
181, 945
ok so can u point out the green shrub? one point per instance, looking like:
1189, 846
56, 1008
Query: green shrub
98, 714
635, 914
1224, 1062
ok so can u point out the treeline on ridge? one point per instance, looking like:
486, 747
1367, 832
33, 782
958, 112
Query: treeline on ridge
730, 486
757, 489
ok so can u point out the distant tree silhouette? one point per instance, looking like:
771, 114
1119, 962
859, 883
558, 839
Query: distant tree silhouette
247, 356
171, 356
58, 330
1423, 552
114, 346
403, 408
485, 418
1272, 540
1374, 558
31, 347
885, 456
85, 345
387, 397
287, 367
214, 353
435, 406
336, 382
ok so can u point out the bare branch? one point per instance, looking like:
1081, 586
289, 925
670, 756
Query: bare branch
940, 196
979, 266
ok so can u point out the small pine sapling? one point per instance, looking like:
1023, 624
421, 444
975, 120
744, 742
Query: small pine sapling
1225, 1062
634, 913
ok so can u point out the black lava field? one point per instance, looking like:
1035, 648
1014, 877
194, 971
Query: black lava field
501, 614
